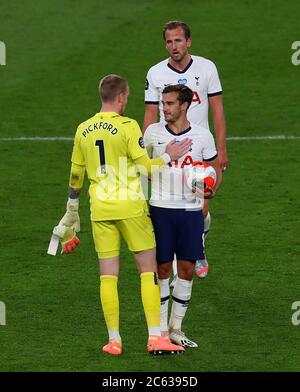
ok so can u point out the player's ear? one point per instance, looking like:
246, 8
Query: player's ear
120, 97
185, 106
189, 42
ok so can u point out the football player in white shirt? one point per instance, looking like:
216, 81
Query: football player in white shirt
176, 211
201, 75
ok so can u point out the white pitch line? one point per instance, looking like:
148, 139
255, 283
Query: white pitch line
274, 137
35, 138
63, 138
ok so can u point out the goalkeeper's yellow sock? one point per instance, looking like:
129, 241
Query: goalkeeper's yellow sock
151, 301
110, 304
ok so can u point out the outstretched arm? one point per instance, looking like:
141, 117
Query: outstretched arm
173, 151
212, 191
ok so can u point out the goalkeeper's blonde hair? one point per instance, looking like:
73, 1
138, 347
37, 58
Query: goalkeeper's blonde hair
111, 86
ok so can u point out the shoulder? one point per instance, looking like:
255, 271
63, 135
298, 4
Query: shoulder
158, 67
85, 124
127, 120
204, 62
154, 129
200, 131
128, 126
119, 120
88, 121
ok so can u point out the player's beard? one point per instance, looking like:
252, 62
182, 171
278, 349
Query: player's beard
179, 57
172, 118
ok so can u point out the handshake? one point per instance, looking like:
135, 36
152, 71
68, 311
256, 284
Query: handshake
65, 231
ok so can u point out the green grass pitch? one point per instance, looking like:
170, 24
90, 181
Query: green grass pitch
56, 52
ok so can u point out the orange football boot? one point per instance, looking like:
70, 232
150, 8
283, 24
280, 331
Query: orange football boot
114, 347
159, 345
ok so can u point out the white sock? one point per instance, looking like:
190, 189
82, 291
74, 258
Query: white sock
207, 222
114, 335
164, 303
181, 297
154, 331
174, 265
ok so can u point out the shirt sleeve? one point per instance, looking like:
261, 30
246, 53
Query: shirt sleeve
76, 176
135, 141
148, 144
214, 84
77, 156
209, 151
151, 91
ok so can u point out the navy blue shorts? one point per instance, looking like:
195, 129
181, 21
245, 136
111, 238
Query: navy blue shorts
178, 231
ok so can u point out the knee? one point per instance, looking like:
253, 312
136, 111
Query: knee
185, 275
164, 270
186, 272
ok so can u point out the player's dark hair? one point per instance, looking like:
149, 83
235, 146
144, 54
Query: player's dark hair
174, 24
111, 86
185, 94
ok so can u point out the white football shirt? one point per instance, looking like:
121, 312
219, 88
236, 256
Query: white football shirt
200, 75
168, 189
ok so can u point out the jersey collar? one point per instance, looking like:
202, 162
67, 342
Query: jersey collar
177, 134
109, 114
177, 70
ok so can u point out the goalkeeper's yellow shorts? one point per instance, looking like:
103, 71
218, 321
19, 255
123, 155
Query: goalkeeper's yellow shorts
137, 232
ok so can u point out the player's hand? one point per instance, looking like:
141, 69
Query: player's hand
71, 217
209, 193
223, 159
67, 237
177, 149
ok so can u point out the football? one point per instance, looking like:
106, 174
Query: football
200, 176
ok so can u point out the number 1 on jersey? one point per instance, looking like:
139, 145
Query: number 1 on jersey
100, 144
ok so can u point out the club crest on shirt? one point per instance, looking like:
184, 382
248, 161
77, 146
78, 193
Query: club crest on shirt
141, 142
182, 81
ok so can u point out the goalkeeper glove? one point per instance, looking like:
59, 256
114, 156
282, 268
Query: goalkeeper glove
67, 238
71, 217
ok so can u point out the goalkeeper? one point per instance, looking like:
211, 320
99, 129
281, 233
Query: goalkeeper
110, 148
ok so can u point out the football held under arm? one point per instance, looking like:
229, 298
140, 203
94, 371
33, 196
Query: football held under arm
210, 156
216, 165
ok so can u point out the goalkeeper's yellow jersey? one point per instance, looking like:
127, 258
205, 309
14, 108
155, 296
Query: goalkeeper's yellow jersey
107, 144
